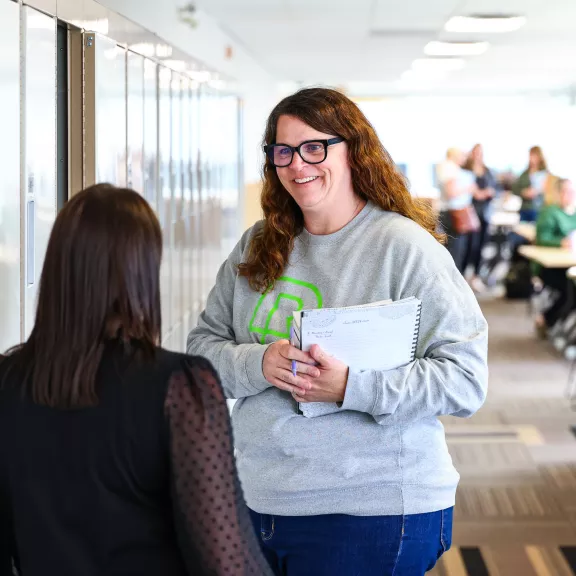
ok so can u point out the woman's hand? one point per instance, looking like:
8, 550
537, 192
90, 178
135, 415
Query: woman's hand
277, 368
330, 385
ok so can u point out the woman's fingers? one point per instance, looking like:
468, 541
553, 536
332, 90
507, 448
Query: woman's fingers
282, 385
289, 381
292, 353
299, 398
300, 368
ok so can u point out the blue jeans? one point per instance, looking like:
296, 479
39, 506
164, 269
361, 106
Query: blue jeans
529, 215
341, 545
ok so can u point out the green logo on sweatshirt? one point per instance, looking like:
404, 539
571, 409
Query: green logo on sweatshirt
273, 313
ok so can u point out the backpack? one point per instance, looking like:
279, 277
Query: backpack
518, 281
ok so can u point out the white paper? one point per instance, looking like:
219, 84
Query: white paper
380, 336
368, 338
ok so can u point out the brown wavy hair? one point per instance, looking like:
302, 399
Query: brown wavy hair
374, 177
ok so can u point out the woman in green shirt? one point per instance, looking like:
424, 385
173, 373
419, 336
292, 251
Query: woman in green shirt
555, 225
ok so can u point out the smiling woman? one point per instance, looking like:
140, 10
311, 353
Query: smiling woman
369, 488
350, 174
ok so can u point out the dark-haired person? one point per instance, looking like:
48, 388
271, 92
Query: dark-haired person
530, 185
482, 201
115, 455
370, 489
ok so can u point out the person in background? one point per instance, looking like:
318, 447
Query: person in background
368, 489
530, 185
116, 455
482, 200
554, 228
551, 187
457, 189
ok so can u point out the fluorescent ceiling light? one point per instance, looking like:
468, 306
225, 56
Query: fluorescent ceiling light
487, 24
455, 48
438, 64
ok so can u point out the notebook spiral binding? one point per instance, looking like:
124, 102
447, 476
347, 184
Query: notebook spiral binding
416, 332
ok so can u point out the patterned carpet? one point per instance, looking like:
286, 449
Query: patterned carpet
516, 505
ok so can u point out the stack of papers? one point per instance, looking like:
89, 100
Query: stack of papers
378, 336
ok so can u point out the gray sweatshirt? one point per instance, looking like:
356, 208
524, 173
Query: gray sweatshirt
385, 452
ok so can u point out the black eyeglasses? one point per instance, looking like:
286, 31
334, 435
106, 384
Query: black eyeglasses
311, 151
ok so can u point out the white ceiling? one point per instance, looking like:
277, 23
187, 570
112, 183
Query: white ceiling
366, 45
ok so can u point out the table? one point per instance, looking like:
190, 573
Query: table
570, 388
549, 257
558, 258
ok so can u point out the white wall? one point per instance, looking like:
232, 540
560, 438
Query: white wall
206, 42
418, 130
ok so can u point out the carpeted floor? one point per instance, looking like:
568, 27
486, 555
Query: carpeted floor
516, 505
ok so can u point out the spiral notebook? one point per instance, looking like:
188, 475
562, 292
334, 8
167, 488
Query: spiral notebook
378, 336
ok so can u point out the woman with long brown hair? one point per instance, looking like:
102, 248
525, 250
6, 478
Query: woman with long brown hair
530, 185
368, 488
115, 455
483, 195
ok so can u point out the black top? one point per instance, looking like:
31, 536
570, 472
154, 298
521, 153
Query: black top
142, 484
486, 180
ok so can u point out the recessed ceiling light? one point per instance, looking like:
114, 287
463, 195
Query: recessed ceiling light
455, 48
487, 24
438, 64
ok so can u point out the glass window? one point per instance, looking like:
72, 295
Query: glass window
165, 192
176, 204
207, 129
151, 132
40, 150
230, 174
10, 170
187, 286
135, 164
196, 207
110, 83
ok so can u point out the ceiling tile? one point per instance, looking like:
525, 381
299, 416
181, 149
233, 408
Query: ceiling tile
330, 41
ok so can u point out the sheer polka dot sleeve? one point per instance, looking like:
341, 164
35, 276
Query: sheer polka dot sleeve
214, 529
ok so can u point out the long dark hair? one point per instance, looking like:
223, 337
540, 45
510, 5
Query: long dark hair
469, 164
374, 176
100, 281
